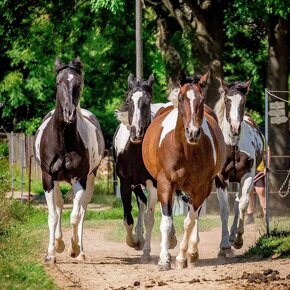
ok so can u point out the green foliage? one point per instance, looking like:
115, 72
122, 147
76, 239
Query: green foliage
277, 243
4, 150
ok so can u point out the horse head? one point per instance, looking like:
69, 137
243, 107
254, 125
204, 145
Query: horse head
234, 97
69, 82
191, 107
136, 112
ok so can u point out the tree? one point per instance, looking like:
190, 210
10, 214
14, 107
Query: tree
205, 19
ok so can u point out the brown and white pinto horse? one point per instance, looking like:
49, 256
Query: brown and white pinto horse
69, 146
183, 149
244, 148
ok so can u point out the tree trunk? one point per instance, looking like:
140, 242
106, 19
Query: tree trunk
277, 80
171, 57
139, 44
205, 19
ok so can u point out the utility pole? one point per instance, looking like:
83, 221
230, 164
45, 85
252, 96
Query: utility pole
139, 44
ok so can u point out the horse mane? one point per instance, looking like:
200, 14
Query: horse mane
220, 107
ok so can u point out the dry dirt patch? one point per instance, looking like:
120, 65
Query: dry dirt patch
113, 265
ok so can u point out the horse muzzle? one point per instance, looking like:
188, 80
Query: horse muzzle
69, 116
135, 137
192, 136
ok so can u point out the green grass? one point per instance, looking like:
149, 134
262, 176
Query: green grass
21, 266
278, 242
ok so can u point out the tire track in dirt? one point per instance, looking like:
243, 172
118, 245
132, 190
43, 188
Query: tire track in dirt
113, 265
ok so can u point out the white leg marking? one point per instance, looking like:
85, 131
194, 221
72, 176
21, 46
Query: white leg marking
52, 222
188, 226
149, 216
139, 230
59, 244
246, 186
165, 228
224, 215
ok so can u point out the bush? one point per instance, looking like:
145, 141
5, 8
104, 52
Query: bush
4, 151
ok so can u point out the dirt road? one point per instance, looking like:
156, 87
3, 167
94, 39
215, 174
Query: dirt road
112, 265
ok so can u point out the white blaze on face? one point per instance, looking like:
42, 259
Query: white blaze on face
70, 77
234, 111
191, 96
137, 113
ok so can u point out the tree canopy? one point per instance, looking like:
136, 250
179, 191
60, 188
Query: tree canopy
102, 33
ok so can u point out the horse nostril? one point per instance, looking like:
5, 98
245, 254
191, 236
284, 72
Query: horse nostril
197, 132
187, 131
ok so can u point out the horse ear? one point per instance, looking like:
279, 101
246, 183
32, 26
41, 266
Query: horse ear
223, 86
151, 80
203, 80
77, 63
131, 81
244, 87
183, 77
57, 64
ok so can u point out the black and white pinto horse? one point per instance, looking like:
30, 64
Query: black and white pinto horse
69, 146
244, 145
135, 117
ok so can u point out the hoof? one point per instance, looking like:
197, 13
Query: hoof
193, 258
139, 245
145, 259
50, 259
172, 242
132, 243
59, 246
74, 249
227, 253
81, 258
164, 266
181, 264
238, 242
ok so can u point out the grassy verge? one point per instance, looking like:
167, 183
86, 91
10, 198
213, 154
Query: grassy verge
278, 242
21, 266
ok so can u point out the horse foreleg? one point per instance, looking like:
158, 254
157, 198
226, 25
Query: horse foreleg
75, 218
59, 244
194, 241
246, 187
149, 219
139, 229
225, 246
85, 199
126, 195
52, 216
165, 193
234, 226
181, 260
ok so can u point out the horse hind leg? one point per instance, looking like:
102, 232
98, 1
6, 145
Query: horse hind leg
149, 220
59, 244
225, 246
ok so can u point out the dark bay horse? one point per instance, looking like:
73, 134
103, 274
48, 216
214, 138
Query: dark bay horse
135, 117
183, 149
69, 146
244, 152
